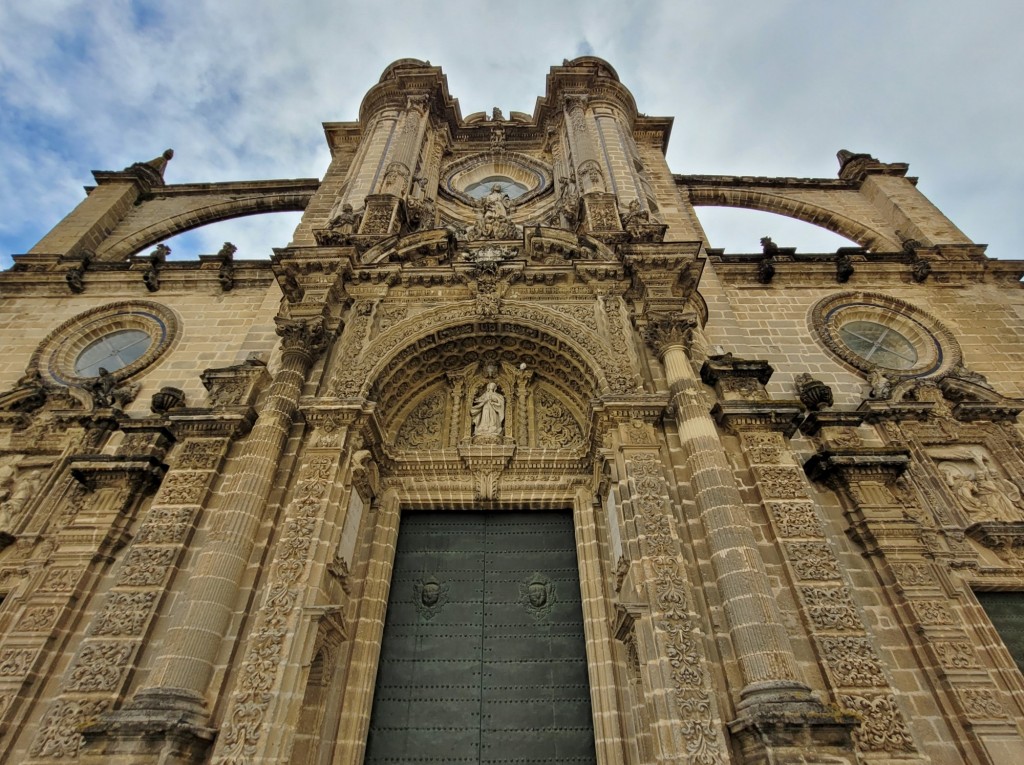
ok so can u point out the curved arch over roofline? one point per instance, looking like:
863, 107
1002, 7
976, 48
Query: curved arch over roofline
182, 218
356, 377
825, 217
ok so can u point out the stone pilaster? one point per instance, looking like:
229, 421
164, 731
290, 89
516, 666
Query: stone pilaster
264, 707
921, 596
179, 684
102, 494
865, 703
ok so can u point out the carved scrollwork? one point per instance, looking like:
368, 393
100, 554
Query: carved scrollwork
882, 728
307, 337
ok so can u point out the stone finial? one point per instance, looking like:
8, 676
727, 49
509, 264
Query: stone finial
768, 247
166, 399
814, 394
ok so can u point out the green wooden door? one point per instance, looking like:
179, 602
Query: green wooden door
483, 657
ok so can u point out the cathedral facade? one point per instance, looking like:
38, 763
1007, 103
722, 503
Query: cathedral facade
498, 460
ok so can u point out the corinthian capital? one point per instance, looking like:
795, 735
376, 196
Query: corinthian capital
307, 337
664, 332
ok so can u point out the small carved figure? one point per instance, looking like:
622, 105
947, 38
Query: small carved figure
422, 213
881, 386
226, 274
25, 488
844, 268
493, 220
344, 221
768, 247
73, 277
488, 413
920, 270
982, 492
102, 389
496, 115
106, 393
565, 215
151, 278
498, 139
765, 270
634, 219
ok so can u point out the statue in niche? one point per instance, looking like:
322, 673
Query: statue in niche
981, 491
17, 496
488, 413
494, 217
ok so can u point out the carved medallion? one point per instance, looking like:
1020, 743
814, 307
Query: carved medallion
431, 596
537, 594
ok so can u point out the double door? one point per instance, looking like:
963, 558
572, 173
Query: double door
483, 657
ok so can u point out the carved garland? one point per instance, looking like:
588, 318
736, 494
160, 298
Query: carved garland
260, 670
675, 622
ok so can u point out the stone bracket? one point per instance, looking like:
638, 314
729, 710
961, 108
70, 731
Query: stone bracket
737, 416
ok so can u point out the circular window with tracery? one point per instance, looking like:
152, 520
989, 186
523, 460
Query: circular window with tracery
874, 332
122, 338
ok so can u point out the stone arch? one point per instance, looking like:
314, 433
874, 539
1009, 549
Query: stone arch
588, 368
185, 214
826, 217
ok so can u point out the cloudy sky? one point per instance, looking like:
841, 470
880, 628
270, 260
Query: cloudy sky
239, 88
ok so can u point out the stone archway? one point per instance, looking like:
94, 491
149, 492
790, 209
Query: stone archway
447, 473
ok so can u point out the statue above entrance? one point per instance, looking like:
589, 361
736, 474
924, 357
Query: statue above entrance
488, 415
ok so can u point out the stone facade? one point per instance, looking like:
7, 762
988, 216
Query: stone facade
789, 475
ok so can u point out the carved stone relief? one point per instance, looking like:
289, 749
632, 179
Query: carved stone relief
795, 519
883, 728
971, 475
556, 427
431, 596
424, 427
537, 595
852, 661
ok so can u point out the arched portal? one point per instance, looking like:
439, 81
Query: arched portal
491, 606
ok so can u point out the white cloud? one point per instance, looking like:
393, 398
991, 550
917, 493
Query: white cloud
239, 88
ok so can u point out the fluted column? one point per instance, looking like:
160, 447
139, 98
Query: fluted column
762, 645
183, 674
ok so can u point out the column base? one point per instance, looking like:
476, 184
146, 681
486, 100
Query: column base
772, 732
769, 731
162, 725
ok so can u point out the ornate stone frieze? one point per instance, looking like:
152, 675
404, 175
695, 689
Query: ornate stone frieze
124, 614
812, 561
424, 427
145, 566
795, 519
933, 613
831, 609
955, 654
780, 482
882, 728
982, 703
852, 662
266, 649
60, 733
100, 666
183, 488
